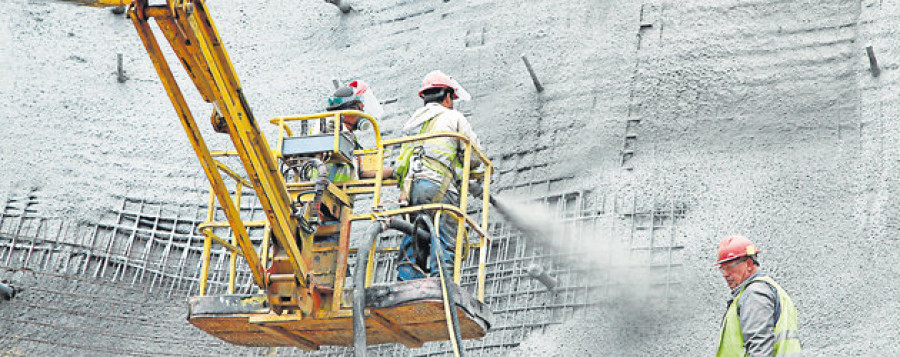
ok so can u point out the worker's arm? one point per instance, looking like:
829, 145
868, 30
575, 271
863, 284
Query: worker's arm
756, 311
386, 172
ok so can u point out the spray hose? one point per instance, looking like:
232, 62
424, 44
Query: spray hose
359, 280
359, 290
449, 299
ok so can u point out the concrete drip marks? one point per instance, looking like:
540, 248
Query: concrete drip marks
154, 248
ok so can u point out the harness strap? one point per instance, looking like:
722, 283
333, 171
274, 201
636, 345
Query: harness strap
433, 163
445, 182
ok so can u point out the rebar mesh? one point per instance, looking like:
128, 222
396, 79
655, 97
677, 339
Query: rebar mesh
155, 246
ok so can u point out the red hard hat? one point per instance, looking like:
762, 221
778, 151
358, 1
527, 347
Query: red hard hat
437, 79
734, 247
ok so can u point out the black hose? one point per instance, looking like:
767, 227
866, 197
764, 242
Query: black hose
359, 277
408, 228
359, 290
445, 280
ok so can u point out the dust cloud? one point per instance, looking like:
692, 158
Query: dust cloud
625, 316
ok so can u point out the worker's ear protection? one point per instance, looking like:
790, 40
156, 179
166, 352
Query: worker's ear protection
448, 91
361, 122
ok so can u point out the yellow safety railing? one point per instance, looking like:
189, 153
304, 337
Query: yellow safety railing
207, 228
458, 211
372, 186
337, 116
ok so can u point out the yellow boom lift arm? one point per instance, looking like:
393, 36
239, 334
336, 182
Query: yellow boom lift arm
301, 277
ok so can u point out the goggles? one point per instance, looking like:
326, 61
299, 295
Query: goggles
343, 100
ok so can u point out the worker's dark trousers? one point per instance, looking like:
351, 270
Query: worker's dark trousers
424, 192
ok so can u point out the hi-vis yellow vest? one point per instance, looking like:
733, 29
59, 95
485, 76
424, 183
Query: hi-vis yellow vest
787, 341
439, 156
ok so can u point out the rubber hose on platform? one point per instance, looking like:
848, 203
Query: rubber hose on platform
359, 278
359, 290
408, 228
445, 284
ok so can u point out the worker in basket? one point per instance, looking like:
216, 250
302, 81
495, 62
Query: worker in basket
355, 96
428, 171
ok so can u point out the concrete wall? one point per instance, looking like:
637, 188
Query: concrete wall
759, 117
64, 315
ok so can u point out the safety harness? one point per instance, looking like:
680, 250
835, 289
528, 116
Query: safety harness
413, 160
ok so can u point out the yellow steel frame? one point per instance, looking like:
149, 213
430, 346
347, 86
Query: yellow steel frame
207, 228
105, 3
193, 37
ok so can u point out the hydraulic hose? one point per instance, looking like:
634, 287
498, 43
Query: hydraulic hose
322, 181
359, 277
408, 228
309, 226
449, 299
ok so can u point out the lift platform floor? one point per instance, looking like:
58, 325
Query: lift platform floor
407, 312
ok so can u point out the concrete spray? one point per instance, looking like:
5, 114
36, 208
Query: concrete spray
627, 312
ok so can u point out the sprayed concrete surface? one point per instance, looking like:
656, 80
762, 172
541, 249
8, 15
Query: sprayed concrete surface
62, 315
758, 117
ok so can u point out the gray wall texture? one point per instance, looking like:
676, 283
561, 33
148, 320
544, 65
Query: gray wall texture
761, 117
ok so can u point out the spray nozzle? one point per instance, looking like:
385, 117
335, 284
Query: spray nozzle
475, 188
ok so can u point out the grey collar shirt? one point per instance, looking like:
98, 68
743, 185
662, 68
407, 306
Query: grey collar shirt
758, 310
